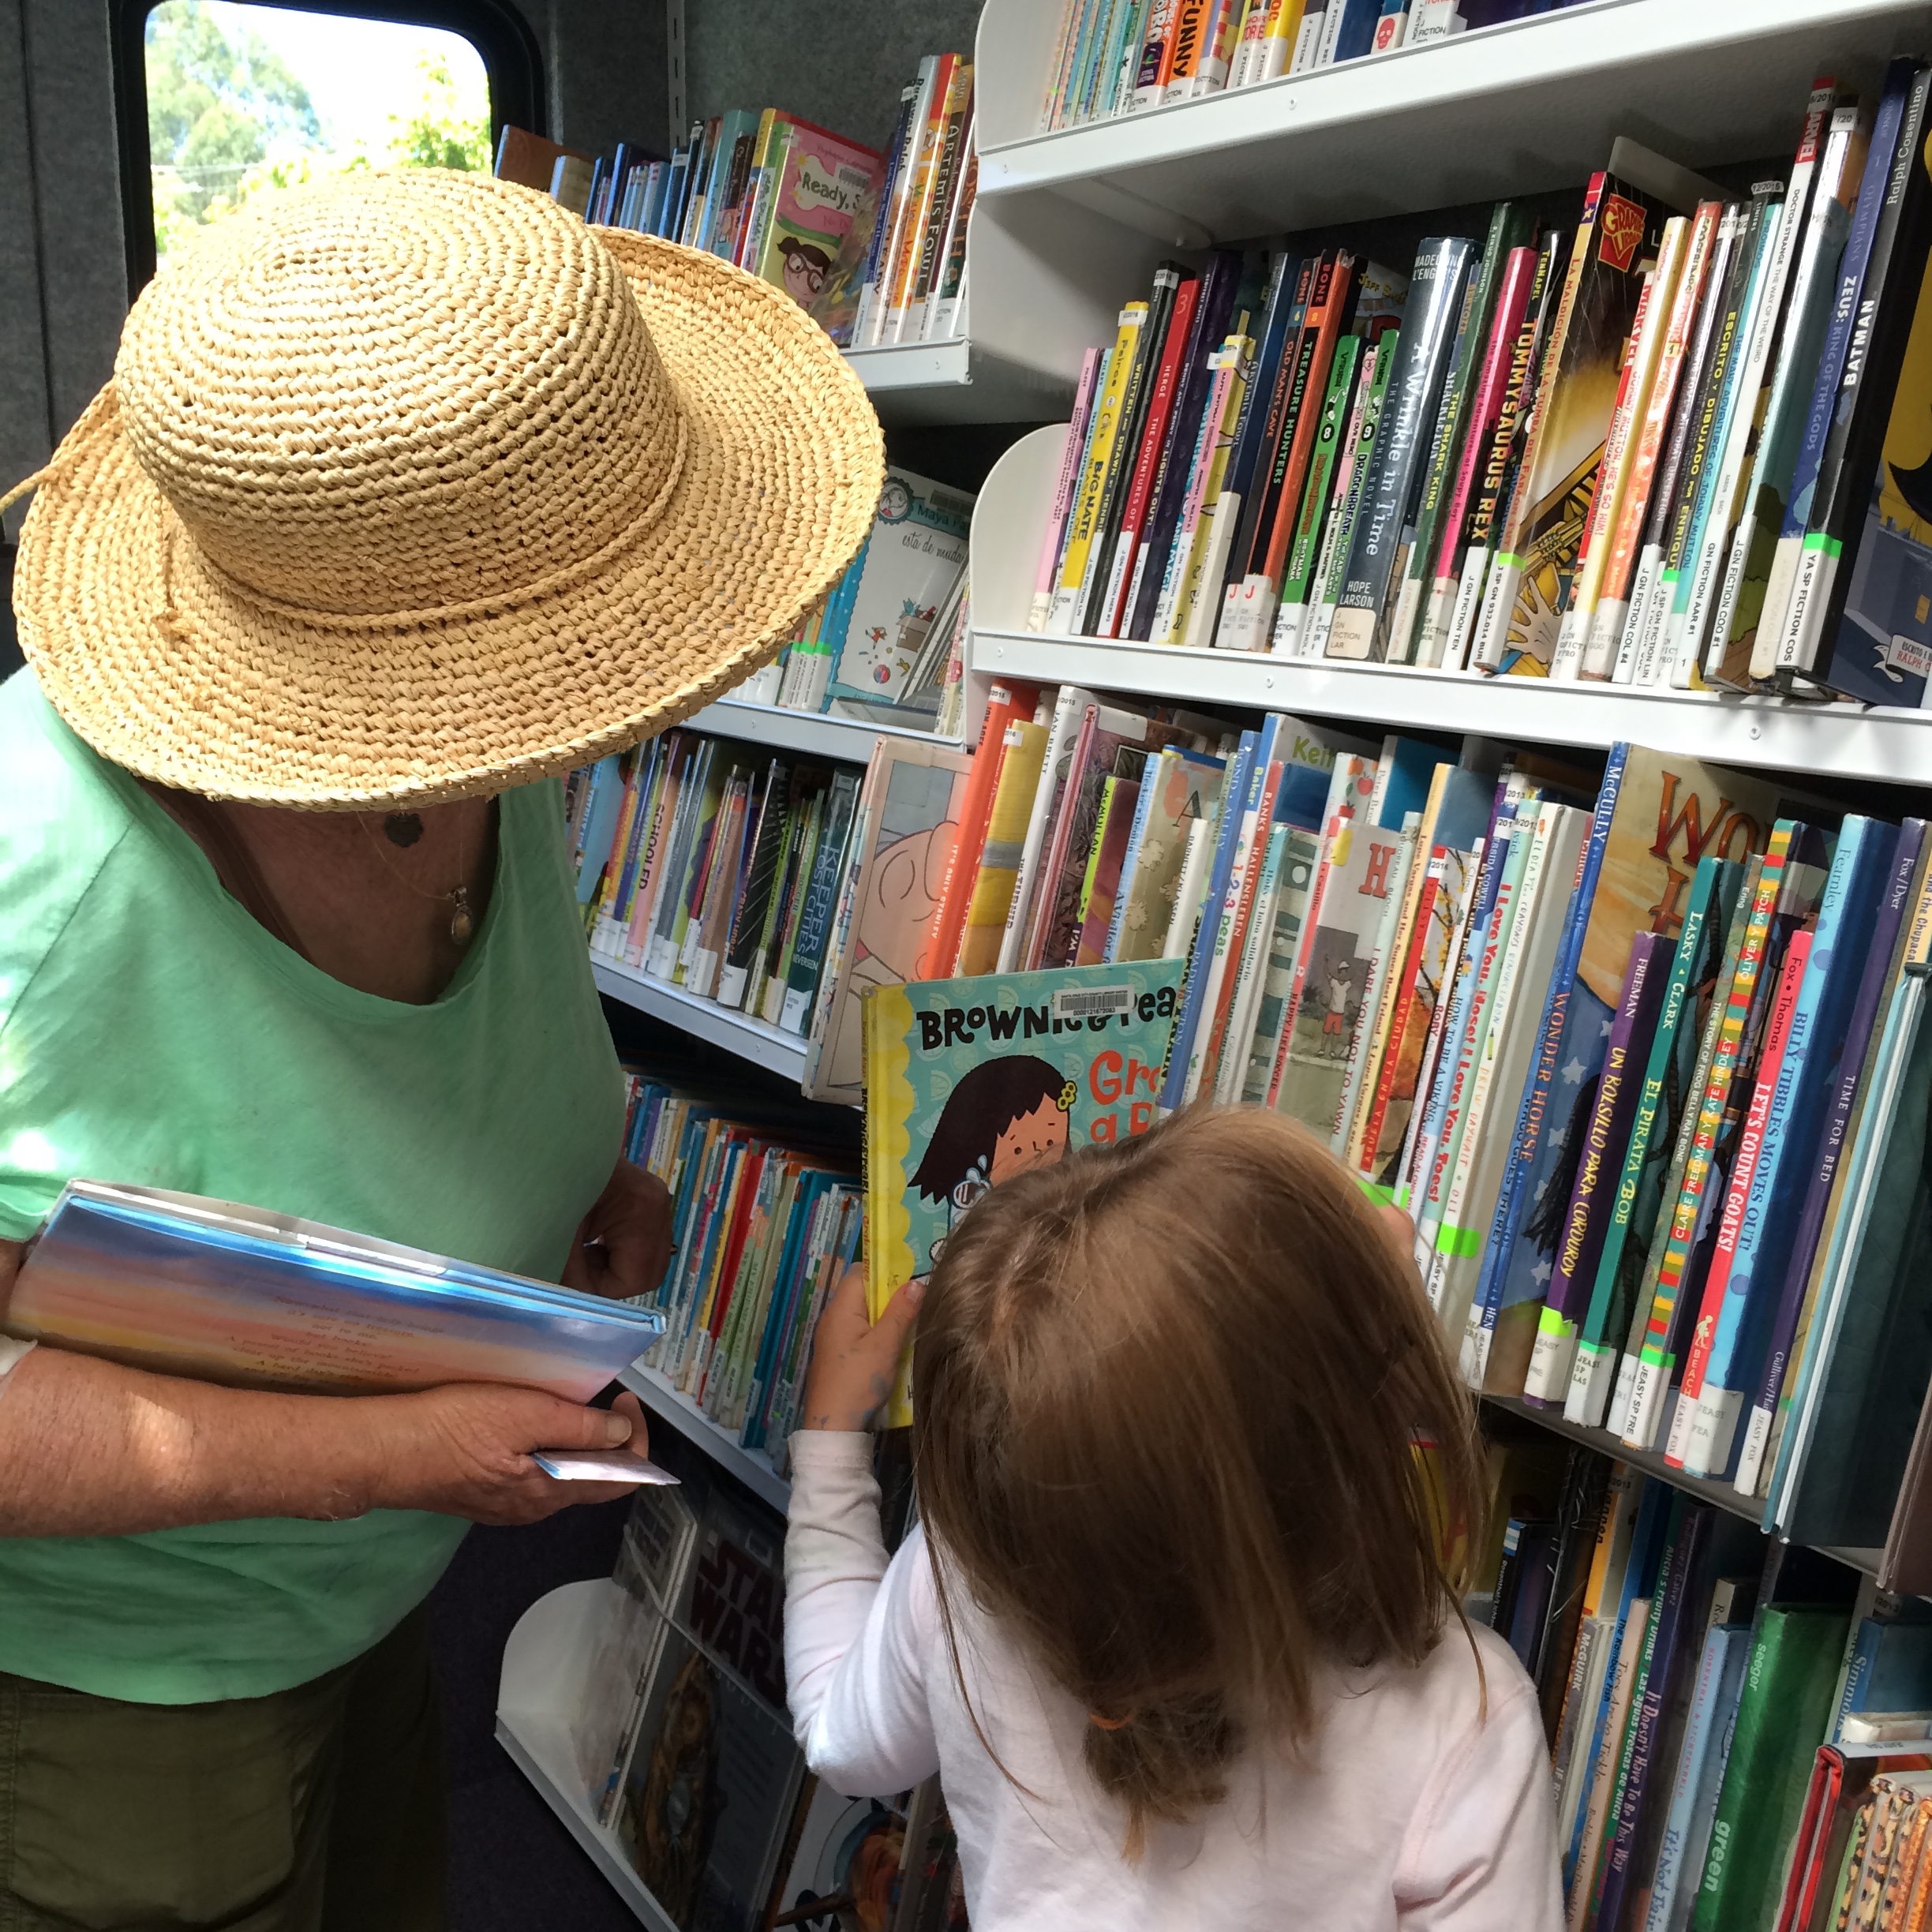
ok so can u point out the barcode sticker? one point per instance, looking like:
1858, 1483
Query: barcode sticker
1084, 1002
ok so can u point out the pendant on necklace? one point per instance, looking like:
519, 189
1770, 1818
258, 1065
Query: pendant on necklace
403, 829
461, 925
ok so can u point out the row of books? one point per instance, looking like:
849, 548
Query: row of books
1119, 57
1641, 1057
684, 1745
772, 192
766, 1211
888, 646
1680, 446
909, 282
1720, 1710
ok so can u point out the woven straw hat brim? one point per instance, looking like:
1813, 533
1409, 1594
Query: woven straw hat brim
176, 672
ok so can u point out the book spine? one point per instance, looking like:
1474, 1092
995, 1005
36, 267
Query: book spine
1072, 466
1083, 519
1782, 597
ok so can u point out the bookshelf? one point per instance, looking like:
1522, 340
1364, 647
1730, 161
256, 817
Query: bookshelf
916, 384
1837, 740
671, 1406
1508, 111
768, 1046
542, 1679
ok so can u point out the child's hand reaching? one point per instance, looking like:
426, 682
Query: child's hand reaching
855, 1360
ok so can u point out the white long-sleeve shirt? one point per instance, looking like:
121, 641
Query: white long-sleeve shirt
1413, 1808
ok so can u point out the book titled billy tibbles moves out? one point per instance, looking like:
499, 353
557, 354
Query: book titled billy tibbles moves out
187, 1286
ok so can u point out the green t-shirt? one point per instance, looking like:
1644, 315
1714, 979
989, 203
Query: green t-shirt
152, 1032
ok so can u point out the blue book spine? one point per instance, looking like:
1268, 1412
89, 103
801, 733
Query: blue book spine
1843, 1082
1844, 306
1144, 804
1356, 35
803, 1201
1531, 1154
1775, 1200
1719, 1685
1646, 1550
1242, 795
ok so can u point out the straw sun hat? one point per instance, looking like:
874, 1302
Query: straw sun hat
413, 487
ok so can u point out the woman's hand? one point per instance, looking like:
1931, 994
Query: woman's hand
464, 1451
623, 1246
855, 1360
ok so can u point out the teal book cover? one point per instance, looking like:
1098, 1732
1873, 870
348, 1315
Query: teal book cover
970, 1081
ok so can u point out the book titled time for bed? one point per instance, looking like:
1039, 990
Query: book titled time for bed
187, 1286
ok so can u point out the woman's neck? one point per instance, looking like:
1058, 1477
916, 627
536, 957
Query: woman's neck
379, 913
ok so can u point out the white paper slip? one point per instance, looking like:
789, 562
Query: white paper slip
621, 1466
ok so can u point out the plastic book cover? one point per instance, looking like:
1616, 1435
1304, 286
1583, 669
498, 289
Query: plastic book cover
1580, 391
1882, 653
184, 1284
716, 1773
908, 840
968, 1081
1186, 787
915, 554
822, 181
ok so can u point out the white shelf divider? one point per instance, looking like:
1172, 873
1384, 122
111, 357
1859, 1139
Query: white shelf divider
1531, 105
1837, 740
749, 1466
768, 1046
544, 1667
815, 734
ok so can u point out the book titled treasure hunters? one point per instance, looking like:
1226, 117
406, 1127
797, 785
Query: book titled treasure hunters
970, 1081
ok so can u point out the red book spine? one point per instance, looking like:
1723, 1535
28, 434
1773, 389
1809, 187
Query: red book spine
1399, 1019
1327, 326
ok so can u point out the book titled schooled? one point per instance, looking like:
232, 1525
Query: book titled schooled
969, 1081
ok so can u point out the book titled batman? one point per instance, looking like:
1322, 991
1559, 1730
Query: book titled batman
969, 1082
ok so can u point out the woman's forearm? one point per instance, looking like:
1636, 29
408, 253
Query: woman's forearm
87, 1448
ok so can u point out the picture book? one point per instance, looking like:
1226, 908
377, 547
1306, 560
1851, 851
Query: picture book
184, 1284
918, 791
916, 553
968, 1081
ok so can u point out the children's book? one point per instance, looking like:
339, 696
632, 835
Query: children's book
914, 556
898, 877
187, 1286
969, 1081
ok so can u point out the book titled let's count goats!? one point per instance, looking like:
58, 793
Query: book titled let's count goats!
183, 1284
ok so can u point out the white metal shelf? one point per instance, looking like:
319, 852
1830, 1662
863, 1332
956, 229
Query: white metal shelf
1838, 740
671, 1406
544, 1667
814, 733
1511, 110
956, 381
768, 1046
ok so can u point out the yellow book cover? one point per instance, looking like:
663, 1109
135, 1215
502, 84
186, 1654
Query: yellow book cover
1025, 754
969, 1082
1090, 491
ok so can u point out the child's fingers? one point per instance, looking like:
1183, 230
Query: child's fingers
895, 1319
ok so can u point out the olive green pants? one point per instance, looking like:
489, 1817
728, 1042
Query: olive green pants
316, 1809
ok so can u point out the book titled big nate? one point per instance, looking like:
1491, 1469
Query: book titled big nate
969, 1082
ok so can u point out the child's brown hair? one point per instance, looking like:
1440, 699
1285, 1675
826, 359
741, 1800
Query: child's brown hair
1166, 1395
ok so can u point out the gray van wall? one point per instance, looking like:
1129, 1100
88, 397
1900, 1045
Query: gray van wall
63, 274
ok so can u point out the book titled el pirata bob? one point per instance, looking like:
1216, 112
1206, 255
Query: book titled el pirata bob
187, 1286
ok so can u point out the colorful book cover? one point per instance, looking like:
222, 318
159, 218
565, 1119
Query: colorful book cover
970, 1081
1531, 577
1668, 813
822, 179
1024, 756
913, 557
180, 1284
1120, 813
1693, 975
1300, 861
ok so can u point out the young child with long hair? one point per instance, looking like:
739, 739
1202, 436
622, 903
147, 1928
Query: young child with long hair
1175, 1627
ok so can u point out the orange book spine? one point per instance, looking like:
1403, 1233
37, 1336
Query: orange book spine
1004, 704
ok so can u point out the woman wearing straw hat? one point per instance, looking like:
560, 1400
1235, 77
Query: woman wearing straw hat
408, 493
